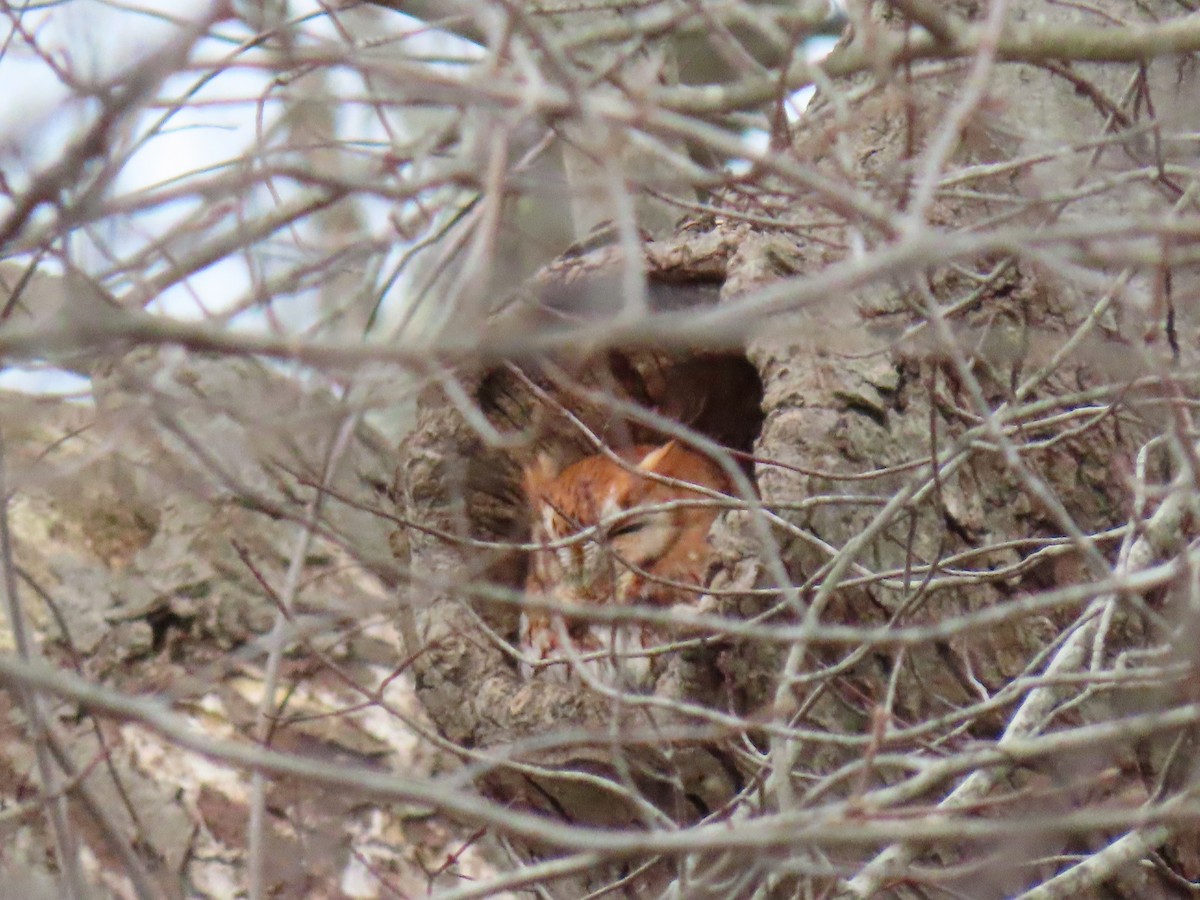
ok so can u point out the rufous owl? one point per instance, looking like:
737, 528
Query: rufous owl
626, 553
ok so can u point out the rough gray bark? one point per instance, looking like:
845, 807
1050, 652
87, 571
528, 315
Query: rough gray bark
857, 411
151, 534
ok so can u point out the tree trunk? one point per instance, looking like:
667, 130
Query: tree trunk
946, 451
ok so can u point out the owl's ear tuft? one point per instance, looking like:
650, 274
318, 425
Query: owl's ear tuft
655, 461
537, 476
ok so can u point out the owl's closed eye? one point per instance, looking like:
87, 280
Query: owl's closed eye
606, 540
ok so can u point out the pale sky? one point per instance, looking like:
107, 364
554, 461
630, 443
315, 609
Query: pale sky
96, 40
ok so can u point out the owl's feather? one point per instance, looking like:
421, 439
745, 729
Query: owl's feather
629, 552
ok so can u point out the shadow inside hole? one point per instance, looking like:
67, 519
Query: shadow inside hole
554, 410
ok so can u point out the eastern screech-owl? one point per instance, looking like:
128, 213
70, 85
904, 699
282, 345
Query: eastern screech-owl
626, 560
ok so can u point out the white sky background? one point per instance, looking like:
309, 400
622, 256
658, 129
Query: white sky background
98, 40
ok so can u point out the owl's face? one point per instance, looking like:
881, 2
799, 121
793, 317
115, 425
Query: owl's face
604, 541
595, 514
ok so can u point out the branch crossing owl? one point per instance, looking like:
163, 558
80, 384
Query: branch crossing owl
603, 541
